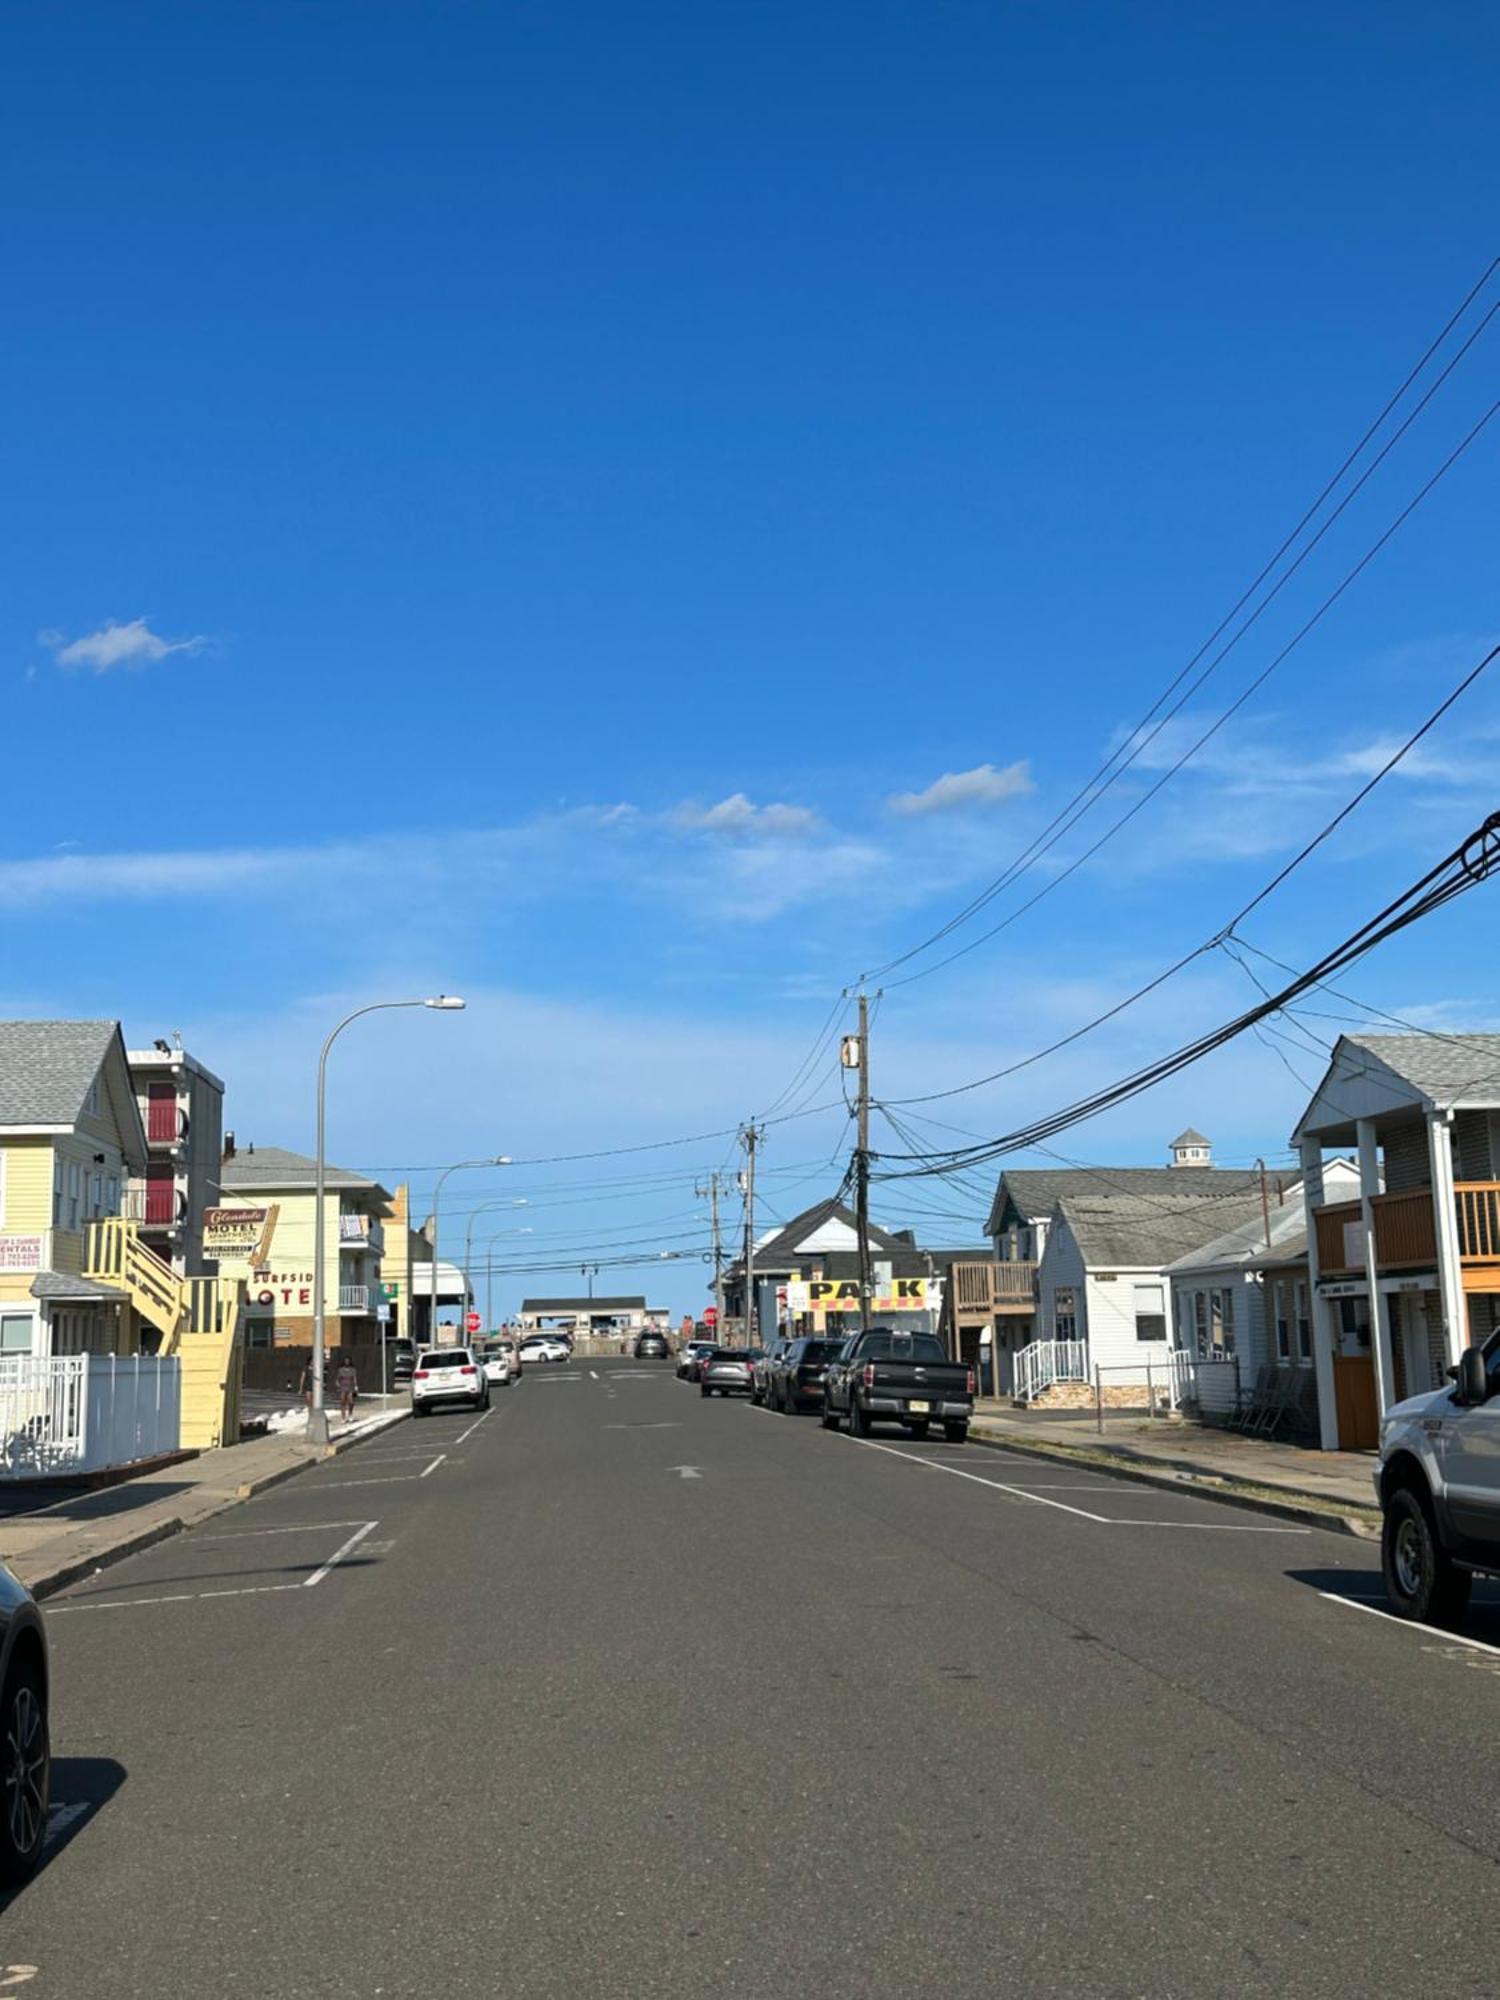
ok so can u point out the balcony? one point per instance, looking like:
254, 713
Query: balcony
1405, 1235
981, 1289
155, 1205
166, 1122
354, 1299
361, 1232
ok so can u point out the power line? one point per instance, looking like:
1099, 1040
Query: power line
1469, 864
1102, 779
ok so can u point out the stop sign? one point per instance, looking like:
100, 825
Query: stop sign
472, 1322
710, 1315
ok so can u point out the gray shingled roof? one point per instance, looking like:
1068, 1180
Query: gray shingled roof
1440, 1068
46, 1068
1190, 1137
63, 1285
274, 1167
1036, 1191
1136, 1233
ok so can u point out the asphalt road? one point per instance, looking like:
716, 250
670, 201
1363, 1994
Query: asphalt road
524, 1708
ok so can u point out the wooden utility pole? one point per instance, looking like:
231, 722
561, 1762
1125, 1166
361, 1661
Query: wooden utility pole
749, 1138
712, 1191
862, 1165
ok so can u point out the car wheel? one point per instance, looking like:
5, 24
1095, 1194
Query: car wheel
419, 1409
25, 1771
957, 1433
859, 1418
1420, 1579
826, 1416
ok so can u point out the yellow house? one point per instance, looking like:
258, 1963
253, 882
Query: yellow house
70, 1141
273, 1192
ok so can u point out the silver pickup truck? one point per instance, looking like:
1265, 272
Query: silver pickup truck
1439, 1489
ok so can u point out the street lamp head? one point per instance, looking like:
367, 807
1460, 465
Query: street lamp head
446, 1003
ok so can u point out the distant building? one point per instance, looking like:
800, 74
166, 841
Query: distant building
592, 1318
182, 1107
273, 1190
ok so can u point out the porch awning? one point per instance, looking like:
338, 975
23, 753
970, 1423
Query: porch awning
78, 1291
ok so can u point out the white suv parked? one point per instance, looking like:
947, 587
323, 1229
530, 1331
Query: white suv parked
447, 1375
1439, 1488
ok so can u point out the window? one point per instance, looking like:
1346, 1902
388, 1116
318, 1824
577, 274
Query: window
96, 1194
257, 1333
1283, 1325
1064, 1314
1150, 1313
1223, 1304
1304, 1324
112, 1194
75, 1192
1200, 1325
16, 1332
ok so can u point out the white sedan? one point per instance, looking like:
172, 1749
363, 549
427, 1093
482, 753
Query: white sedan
496, 1364
545, 1347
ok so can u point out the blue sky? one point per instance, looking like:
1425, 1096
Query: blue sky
529, 499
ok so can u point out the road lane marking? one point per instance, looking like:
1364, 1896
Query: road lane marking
389, 1479
472, 1428
643, 1427
344, 1549
434, 1465
298, 1528
1411, 1624
1063, 1506
178, 1597
685, 1471
593, 1374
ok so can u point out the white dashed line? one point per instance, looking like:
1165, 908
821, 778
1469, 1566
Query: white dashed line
434, 1465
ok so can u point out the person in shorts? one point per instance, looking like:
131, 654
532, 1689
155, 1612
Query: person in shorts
346, 1381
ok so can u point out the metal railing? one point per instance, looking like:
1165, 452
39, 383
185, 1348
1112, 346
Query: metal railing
1044, 1362
354, 1298
72, 1413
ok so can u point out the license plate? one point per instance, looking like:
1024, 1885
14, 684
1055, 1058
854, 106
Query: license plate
919, 1409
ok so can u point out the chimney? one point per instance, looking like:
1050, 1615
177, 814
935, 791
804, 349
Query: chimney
229, 1145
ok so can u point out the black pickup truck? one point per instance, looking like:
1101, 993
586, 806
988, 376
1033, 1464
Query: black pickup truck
903, 1378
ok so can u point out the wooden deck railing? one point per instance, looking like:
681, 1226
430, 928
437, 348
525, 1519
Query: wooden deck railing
1405, 1236
990, 1285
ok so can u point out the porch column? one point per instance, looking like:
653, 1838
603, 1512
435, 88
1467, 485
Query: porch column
1450, 1273
1322, 1327
1380, 1330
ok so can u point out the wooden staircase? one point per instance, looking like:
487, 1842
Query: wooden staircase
198, 1320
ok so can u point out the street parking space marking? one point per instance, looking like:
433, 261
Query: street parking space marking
558, 1378
643, 1427
1410, 1624
1064, 1506
472, 1428
297, 1528
593, 1374
344, 1549
434, 1465
177, 1597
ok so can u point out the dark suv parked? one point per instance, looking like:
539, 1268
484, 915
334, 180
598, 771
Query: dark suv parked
797, 1379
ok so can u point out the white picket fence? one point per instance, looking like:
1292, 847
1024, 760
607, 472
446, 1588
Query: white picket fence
62, 1415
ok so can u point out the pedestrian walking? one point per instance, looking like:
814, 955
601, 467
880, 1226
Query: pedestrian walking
347, 1383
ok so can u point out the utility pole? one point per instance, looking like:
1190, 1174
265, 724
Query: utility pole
862, 1155
749, 1138
712, 1192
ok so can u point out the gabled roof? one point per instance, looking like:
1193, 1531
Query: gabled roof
1035, 1191
1393, 1078
47, 1068
1190, 1138
1246, 1246
1136, 1233
263, 1168
785, 1244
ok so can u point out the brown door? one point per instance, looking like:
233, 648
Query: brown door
1354, 1400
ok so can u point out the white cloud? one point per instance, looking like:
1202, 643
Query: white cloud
115, 645
739, 815
983, 786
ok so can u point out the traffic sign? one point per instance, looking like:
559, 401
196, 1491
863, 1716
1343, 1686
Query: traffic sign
472, 1322
710, 1315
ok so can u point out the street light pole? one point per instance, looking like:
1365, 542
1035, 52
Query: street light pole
489, 1269
317, 1416
495, 1160
484, 1208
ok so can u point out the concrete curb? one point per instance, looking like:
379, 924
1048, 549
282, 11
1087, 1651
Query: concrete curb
1337, 1519
47, 1583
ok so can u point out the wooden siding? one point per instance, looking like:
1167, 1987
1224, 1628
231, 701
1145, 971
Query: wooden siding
27, 1185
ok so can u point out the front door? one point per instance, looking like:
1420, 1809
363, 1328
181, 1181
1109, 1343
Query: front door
1354, 1400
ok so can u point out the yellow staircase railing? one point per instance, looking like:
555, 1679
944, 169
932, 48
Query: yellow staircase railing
198, 1320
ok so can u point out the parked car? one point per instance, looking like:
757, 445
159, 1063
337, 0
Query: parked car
690, 1355
447, 1375
903, 1378
512, 1352
1438, 1484
798, 1373
25, 1733
496, 1365
651, 1346
403, 1359
760, 1387
728, 1371
545, 1347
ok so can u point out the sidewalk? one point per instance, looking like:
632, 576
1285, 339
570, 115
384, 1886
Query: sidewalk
89, 1530
1334, 1487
